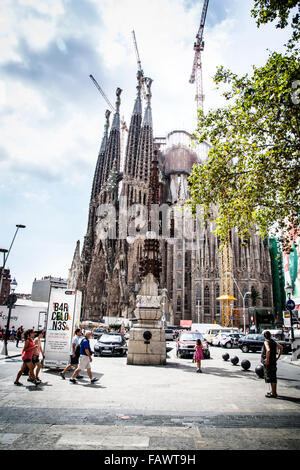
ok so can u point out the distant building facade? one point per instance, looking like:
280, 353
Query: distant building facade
41, 287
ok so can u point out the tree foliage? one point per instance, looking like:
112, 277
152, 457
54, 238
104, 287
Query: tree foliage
252, 171
269, 10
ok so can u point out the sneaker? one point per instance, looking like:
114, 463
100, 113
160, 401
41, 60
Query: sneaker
18, 383
270, 395
73, 381
79, 377
94, 380
30, 380
62, 375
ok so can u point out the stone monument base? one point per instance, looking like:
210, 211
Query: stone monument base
147, 341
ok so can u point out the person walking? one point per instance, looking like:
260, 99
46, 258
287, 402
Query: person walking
269, 361
198, 354
27, 353
36, 354
74, 353
85, 359
18, 336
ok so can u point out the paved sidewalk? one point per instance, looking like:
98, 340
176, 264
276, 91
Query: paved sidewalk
151, 408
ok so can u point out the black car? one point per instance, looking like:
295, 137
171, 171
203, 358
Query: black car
255, 342
111, 344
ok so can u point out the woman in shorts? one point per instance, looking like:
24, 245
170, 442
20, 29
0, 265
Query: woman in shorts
36, 354
27, 353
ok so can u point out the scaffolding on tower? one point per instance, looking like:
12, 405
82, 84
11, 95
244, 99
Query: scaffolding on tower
226, 297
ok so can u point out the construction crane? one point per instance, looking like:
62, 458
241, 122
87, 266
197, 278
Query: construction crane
139, 65
226, 268
124, 127
196, 75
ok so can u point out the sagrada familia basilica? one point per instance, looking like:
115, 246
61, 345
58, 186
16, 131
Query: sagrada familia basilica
108, 269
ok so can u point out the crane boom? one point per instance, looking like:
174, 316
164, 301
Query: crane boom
102, 92
139, 64
137, 53
199, 44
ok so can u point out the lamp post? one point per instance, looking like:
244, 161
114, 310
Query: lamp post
9, 250
244, 317
12, 298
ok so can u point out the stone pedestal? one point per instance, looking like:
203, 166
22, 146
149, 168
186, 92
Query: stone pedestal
147, 342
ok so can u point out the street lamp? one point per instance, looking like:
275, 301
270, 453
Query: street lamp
5, 251
244, 317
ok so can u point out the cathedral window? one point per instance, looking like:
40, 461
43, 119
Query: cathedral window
265, 297
178, 304
206, 295
198, 294
206, 300
179, 261
245, 289
218, 301
179, 281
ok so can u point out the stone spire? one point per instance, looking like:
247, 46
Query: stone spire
97, 182
145, 146
89, 238
112, 152
74, 271
134, 132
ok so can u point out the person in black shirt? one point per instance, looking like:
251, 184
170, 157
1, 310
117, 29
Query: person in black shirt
269, 360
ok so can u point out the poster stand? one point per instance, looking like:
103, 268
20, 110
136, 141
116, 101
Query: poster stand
63, 318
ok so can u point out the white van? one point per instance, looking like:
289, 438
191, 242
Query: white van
215, 331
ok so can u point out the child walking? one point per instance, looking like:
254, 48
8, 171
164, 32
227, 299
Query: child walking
198, 354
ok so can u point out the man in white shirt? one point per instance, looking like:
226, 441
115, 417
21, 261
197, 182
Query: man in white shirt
74, 353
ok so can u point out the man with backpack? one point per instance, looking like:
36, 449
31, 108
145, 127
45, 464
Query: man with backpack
74, 353
85, 359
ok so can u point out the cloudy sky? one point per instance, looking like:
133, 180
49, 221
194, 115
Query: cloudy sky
52, 116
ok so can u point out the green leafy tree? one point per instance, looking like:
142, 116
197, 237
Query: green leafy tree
270, 10
252, 171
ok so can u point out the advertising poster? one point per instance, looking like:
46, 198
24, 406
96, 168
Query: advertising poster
60, 325
292, 270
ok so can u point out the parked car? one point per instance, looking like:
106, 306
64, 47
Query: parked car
169, 335
97, 333
212, 332
231, 340
216, 340
110, 344
185, 344
254, 342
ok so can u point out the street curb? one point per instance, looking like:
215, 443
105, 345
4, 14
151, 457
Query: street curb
10, 357
289, 361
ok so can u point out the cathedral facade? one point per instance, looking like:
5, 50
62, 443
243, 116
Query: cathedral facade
107, 270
